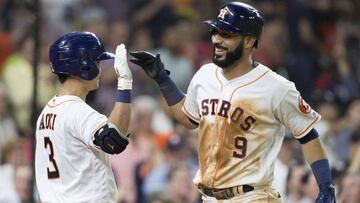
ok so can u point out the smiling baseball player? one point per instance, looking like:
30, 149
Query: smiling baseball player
241, 109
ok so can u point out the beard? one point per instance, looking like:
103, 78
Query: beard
231, 56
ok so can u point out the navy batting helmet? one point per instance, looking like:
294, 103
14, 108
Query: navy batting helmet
239, 17
76, 53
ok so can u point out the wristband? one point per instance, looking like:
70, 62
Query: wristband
123, 96
169, 90
321, 170
163, 77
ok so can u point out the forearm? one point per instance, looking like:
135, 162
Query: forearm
176, 112
315, 155
313, 151
175, 99
173, 96
120, 116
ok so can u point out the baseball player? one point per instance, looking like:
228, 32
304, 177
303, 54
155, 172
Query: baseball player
241, 108
72, 139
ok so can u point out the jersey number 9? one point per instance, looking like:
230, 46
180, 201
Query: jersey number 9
240, 146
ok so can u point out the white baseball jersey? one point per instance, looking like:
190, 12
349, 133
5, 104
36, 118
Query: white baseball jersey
69, 167
242, 124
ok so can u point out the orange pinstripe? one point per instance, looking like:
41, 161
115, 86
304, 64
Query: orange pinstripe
190, 115
222, 135
246, 84
311, 124
52, 106
217, 77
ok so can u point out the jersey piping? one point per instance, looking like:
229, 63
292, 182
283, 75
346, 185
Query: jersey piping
246, 84
307, 128
222, 135
52, 106
217, 77
192, 117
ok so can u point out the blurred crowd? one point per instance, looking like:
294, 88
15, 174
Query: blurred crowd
315, 44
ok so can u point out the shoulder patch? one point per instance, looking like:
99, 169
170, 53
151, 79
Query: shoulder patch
303, 106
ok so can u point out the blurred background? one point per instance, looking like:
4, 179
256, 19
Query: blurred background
315, 44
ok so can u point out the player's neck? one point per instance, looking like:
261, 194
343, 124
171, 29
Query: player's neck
74, 88
239, 68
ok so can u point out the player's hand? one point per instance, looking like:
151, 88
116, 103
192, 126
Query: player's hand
122, 68
326, 194
152, 65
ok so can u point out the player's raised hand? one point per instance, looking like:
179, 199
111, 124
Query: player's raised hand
151, 64
122, 68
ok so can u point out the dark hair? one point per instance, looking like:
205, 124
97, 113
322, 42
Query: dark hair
62, 77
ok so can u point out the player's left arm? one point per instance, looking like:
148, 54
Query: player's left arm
315, 156
300, 119
112, 138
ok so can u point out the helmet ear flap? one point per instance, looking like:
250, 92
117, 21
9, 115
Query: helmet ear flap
85, 65
88, 68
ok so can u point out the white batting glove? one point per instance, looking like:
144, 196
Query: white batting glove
122, 69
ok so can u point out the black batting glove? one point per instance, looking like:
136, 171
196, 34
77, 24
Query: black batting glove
152, 65
326, 194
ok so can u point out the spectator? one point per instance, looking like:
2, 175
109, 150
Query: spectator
12, 158
18, 67
23, 176
180, 187
175, 153
282, 164
8, 129
309, 187
181, 68
349, 125
354, 153
294, 193
350, 189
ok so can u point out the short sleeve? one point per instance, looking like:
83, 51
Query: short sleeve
190, 107
87, 123
295, 114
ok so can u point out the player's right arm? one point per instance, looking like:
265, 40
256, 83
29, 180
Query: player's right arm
181, 117
175, 99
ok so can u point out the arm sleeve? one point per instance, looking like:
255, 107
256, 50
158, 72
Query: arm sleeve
190, 107
87, 123
295, 114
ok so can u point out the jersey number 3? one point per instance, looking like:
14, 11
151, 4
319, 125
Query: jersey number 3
55, 172
240, 146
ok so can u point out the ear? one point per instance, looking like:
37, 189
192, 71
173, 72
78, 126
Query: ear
249, 41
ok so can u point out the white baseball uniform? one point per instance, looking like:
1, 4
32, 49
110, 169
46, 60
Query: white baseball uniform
242, 124
69, 167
